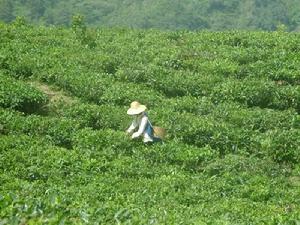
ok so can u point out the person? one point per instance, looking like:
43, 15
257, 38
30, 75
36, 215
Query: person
141, 123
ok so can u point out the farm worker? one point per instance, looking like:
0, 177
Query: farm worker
141, 123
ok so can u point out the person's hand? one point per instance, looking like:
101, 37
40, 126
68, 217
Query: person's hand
135, 135
128, 132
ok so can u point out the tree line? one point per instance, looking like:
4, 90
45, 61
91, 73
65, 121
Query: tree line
160, 14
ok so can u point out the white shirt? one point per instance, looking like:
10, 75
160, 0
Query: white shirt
140, 121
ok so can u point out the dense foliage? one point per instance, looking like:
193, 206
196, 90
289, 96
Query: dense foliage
230, 102
162, 14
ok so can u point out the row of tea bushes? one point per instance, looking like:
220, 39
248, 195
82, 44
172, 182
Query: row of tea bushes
97, 117
94, 75
102, 177
18, 95
225, 127
254, 118
58, 131
260, 93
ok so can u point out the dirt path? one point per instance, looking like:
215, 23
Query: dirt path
55, 96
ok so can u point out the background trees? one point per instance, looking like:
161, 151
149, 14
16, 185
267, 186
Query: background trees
161, 14
6, 10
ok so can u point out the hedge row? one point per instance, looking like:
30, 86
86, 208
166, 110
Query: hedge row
166, 68
58, 131
282, 145
225, 128
253, 92
112, 144
229, 137
103, 88
20, 96
240, 135
97, 117
255, 118
47, 184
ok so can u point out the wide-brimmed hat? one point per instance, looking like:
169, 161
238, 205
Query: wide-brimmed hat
136, 108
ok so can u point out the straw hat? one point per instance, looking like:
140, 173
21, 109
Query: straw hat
136, 108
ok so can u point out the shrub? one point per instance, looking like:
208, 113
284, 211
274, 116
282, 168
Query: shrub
56, 130
124, 93
282, 145
203, 131
109, 142
255, 118
97, 117
197, 106
287, 97
249, 92
173, 152
18, 95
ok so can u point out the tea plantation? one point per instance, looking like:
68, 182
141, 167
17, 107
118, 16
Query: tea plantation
230, 102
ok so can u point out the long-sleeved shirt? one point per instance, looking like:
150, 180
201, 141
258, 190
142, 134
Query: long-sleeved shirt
140, 122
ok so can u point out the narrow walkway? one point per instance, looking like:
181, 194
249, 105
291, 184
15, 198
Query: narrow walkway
55, 96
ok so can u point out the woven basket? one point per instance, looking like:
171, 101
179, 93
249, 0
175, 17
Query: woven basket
159, 132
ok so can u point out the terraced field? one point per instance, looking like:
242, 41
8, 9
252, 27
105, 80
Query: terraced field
230, 102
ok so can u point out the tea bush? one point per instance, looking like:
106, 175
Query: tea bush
97, 117
57, 130
18, 95
255, 118
282, 145
257, 93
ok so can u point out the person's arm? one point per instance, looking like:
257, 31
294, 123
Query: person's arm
142, 127
132, 126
